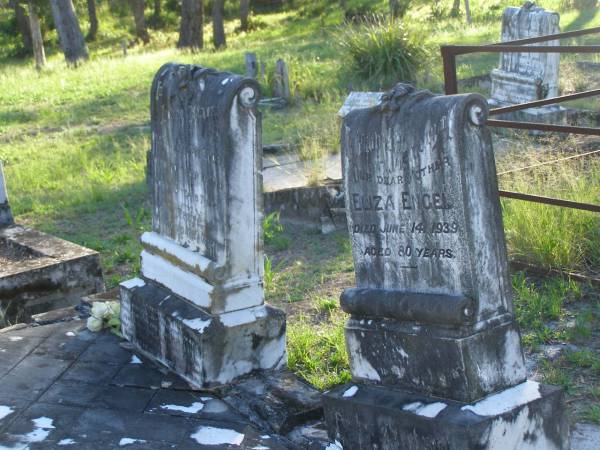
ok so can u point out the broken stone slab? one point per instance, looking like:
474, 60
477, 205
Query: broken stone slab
40, 273
56, 315
312, 436
275, 401
524, 416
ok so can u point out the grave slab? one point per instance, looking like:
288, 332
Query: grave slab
431, 315
198, 307
40, 272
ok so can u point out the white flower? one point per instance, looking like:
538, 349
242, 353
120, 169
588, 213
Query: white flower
101, 310
95, 324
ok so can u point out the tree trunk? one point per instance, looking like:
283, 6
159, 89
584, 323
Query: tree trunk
455, 11
157, 11
468, 12
91, 7
69, 33
244, 14
36, 37
22, 24
141, 31
192, 23
218, 27
394, 8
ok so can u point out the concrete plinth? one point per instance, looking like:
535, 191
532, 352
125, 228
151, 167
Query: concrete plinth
527, 416
207, 350
427, 359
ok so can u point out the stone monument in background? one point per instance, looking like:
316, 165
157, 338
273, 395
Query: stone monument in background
434, 349
526, 77
6, 217
199, 305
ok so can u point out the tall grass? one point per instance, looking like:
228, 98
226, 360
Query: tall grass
552, 236
382, 50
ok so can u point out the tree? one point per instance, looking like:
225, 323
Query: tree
22, 23
244, 14
91, 7
69, 33
141, 31
192, 23
455, 11
156, 19
468, 12
36, 36
218, 27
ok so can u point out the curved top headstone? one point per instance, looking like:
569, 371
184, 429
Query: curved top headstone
204, 172
517, 70
423, 208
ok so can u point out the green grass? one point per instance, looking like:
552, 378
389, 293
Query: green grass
550, 236
74, 142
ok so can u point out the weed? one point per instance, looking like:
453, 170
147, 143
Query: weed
273, 232
325, 304
382, 51
592, 414
318, 353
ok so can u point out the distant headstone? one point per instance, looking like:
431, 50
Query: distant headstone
6, 217
526, 77
199, 305
432, 315
282, 81
251, 65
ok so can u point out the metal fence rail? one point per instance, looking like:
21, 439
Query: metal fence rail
449, 54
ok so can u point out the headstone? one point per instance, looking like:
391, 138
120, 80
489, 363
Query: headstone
6, 217
526, 77
199, 304
282, 81
251, 65
432, 333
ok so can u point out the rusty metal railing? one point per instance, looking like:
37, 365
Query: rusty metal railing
449, 54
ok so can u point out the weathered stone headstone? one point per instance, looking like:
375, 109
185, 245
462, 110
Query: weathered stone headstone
6, 217
526, 77
199, 304
432, 330
251, 65
282, 81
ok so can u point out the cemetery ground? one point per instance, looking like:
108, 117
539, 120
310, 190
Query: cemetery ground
74, 143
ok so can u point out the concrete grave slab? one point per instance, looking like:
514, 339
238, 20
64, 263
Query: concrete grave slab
40, 272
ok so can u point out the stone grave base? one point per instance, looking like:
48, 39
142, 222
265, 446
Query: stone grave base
40, 273
428, 359
206, 350
527, 416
